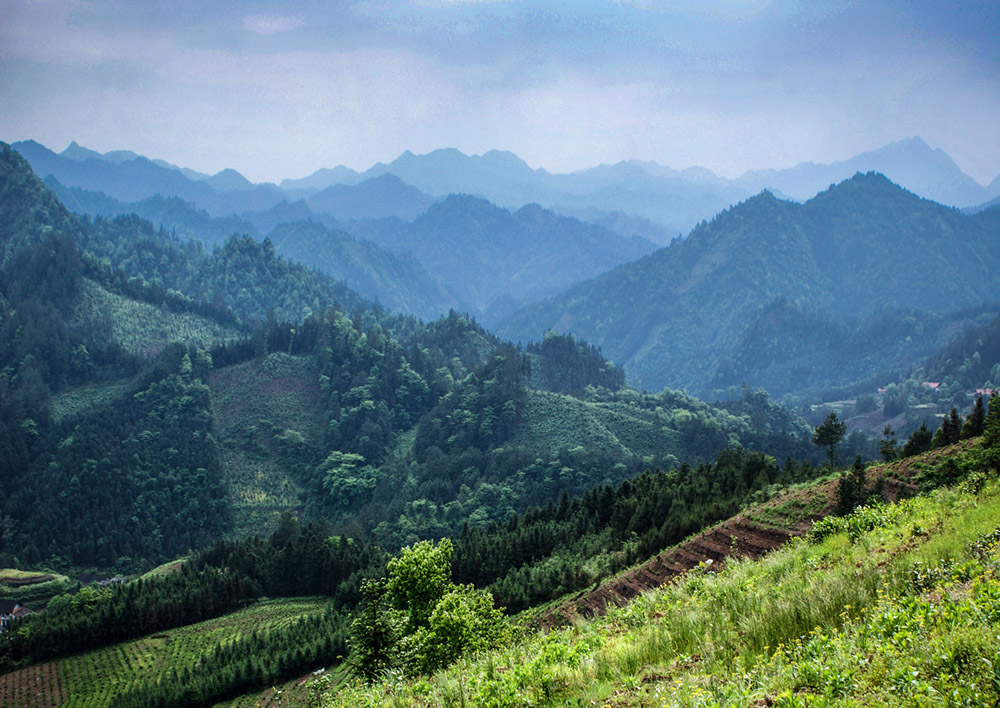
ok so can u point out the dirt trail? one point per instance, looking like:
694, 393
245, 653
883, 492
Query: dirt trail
739, 536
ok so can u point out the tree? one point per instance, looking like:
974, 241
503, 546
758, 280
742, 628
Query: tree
418, 578
374, 632
919, 441
887, 447
852, 489
830, 432
422, 621
973, 426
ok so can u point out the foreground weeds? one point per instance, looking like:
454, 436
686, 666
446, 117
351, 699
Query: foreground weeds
892, 606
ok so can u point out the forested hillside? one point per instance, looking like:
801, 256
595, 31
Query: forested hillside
398, 282
791, 297
124, 447
488, 254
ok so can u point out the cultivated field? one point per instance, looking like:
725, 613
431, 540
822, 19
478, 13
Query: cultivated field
93, 679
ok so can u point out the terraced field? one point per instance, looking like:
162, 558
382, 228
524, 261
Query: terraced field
92, 680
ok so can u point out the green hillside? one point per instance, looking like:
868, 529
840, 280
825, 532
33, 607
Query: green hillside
162, 397
793, 297
267, 417
889, 606
141, 328
97, 679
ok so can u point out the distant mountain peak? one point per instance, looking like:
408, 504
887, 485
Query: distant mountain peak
229, 179
75, 151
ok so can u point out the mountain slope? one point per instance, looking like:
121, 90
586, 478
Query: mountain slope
374, 198
485, 253
912, 163
396, 281
676, 317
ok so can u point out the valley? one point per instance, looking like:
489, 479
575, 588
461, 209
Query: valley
277, 398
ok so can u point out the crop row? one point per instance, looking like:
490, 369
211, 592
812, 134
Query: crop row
93, 679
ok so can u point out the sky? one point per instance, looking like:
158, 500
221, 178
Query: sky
279, 89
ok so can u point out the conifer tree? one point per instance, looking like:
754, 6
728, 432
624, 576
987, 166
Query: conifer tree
830, 432
887, 445
973, 426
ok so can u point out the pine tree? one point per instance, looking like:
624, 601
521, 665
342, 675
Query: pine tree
973, 426
887, 447
830, 432
919, 441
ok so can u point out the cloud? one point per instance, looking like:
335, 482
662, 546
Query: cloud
272, 24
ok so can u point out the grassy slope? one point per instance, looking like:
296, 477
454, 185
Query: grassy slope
254, 402
900, 607
32, 588
554, 421
142, 328
92, 679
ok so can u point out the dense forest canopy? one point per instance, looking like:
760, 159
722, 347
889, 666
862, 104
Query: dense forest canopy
124, 447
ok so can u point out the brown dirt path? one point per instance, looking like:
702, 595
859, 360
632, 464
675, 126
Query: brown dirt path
743, 535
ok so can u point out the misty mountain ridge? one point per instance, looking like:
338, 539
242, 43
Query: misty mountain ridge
399, 283
673, 200
678, 316
911, 163
374, 198
485, 253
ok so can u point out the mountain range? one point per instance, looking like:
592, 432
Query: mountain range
785, 295
659, 202
768, 287
460, 253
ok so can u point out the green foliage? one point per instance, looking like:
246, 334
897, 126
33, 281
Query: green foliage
852, 488
830, 432
564, 365
920, 440
422, 621
418, 578
767, 292
375, 630
836, 619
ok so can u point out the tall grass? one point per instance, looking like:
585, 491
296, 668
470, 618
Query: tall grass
834, 621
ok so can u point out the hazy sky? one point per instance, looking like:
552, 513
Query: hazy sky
278, 90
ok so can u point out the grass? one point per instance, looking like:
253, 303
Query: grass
898, 606
790, 510
255, 403
92, 679
32, 588
71, 403
142, 328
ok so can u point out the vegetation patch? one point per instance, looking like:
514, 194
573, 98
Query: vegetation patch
72, 403
143, 328
31, 587
95, 679
269, 425
833, 620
